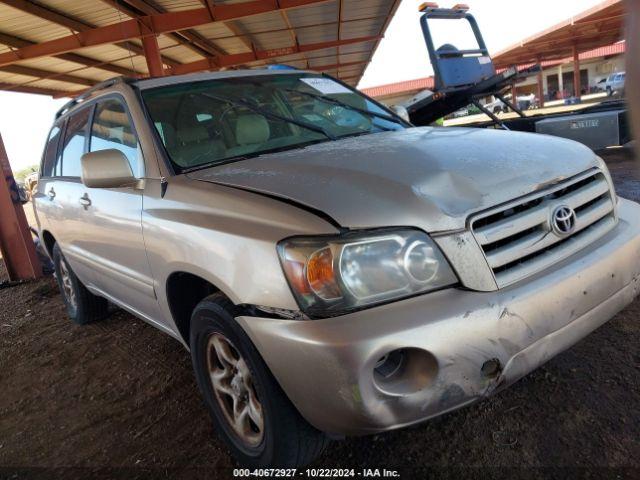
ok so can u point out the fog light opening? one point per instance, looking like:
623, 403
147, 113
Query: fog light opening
491, 368
389, 364
405, 371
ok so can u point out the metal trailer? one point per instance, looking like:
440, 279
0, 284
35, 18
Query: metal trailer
464, 77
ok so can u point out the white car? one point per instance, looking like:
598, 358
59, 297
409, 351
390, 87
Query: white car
615, 83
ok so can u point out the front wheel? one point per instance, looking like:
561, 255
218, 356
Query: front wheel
250, 411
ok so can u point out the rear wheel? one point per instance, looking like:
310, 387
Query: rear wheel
250, 411
82, 306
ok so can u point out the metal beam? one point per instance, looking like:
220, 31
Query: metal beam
67, 21
149, 25
386, 23
152, 56
216, 63
39, 73
237, 32
190, 39
34, 90
16, 244
17, 42
244, 36
335, 66
45, 13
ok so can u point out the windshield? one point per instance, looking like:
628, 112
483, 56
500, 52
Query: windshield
216, 121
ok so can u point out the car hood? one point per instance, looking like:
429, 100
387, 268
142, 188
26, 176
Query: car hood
432, 178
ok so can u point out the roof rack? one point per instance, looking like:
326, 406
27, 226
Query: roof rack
99, 86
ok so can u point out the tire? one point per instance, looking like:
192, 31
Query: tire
609, 91
285, 440
82, 306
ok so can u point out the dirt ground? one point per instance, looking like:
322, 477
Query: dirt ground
118, 399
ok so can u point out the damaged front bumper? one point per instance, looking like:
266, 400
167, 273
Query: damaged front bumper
457, 346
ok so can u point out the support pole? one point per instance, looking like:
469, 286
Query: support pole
16, 244
514, 94
540, 85
576, 73
152, 55
560, 82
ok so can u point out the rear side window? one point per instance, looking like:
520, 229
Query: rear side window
50, 156
74, 142
112, 129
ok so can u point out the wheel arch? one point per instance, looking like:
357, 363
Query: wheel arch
184, 291
49, 241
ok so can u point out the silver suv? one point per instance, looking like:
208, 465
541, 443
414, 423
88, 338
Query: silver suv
615, 83
332, 270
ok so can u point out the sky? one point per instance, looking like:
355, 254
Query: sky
402, 55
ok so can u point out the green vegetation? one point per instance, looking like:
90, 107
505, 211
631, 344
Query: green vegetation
20, 175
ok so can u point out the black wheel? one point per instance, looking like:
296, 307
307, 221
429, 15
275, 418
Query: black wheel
82, 306
609, 91
250, 411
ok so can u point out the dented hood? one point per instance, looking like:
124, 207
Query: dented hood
431, 178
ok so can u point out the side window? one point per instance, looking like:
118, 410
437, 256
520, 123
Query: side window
74, 140
50, 154
112, 129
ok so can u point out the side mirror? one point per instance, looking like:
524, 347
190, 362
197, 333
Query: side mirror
106, 169
402, 112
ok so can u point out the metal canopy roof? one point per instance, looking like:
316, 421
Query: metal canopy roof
61, 47
597, 27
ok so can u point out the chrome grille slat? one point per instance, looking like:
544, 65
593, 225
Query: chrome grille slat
587, 193
567, 249
518, 239
512, 225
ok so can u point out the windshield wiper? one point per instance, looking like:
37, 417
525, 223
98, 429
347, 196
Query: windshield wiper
268, 114
247, 156
332, 100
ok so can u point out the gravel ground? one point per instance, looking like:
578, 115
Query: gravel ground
118, 399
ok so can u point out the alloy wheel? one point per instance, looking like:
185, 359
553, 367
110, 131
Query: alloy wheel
234, 390
67, 285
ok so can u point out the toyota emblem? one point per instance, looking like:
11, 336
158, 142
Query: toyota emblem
563, 220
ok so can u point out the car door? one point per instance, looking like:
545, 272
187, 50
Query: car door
44, 194
112, 217
60, 189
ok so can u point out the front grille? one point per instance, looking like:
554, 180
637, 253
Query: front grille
518, 239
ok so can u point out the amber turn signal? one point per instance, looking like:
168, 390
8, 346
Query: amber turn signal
321, 276
425, 5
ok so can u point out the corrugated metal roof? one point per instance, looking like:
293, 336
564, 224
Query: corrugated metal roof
593, 28
399, 87
80, 42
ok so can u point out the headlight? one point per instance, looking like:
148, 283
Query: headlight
330, 275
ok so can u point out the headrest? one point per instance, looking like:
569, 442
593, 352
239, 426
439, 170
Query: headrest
252, 129
192, 134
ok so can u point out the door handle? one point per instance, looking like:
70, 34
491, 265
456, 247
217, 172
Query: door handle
85, 201
51, 193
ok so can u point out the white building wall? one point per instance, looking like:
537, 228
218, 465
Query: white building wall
597, 70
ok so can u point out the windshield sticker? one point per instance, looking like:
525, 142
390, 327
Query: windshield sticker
326, 86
